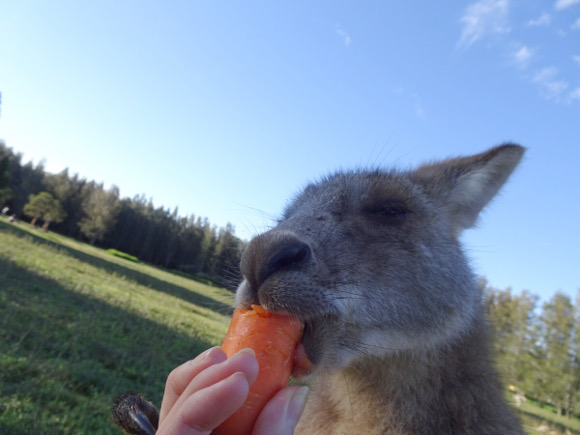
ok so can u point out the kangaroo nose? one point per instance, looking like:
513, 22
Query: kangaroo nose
271, 253
287, 256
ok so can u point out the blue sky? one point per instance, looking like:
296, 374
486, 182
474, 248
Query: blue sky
226, 109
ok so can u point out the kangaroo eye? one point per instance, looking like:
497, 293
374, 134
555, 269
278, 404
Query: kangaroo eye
389, 212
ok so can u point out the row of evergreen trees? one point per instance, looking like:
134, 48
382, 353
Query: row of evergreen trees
86, 211
538, 347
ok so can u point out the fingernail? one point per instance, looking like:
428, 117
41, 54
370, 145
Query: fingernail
207, 354
248, 350
212, 349
296, 406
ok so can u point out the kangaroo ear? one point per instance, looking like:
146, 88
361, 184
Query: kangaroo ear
467, 184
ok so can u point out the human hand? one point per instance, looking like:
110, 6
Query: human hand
201, 393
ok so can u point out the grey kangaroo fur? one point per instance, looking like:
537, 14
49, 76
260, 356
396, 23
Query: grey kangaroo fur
371, 262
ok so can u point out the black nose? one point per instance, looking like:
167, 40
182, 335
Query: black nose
271, 253
288, 256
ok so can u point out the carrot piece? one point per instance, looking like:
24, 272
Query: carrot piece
274, 338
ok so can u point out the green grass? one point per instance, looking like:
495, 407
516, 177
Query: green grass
78, 326
534, 417
123, 255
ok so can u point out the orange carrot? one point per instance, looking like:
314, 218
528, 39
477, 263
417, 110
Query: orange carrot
274, 338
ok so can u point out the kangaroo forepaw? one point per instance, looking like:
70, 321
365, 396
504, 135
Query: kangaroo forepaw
135, 415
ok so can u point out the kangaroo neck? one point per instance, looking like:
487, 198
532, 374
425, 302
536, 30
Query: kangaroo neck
452, 388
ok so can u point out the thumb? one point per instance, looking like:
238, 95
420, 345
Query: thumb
280, 416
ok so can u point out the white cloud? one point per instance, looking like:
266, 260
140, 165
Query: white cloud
545, 74
543, 20
563, 4
483, 18
418, 106
412, 97
576, 25
576, 59
345, 36
575, 94
522, 56
551, 87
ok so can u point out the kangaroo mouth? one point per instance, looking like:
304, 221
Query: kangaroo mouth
304, 362
302, 366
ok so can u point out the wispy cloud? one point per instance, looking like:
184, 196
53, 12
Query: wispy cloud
414, 98
490, 20
522, 56
543, 20
418, 106
346, 39
483, 18
563, 4
575, 94
551, 86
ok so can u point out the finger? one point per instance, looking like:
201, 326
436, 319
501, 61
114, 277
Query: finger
181, 377
244, 361
281, 414
209, 407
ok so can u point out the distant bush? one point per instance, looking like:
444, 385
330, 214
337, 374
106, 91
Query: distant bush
123, 255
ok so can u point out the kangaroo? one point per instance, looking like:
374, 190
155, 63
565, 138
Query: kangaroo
395, 339
370, 261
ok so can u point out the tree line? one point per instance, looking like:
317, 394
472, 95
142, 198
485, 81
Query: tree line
537, 346
87, 211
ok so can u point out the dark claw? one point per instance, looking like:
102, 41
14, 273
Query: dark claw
135, 415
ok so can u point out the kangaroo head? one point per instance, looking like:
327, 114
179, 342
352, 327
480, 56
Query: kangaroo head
370, 260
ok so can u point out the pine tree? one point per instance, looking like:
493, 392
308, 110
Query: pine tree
557, 325
512, 317
574, 405
101, 208
71, 192
5, 191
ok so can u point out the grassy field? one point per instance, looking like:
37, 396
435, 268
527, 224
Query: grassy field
537, 420
79, 325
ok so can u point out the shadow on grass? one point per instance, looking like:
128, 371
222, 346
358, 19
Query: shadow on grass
64, 356
539, 421
129, 273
